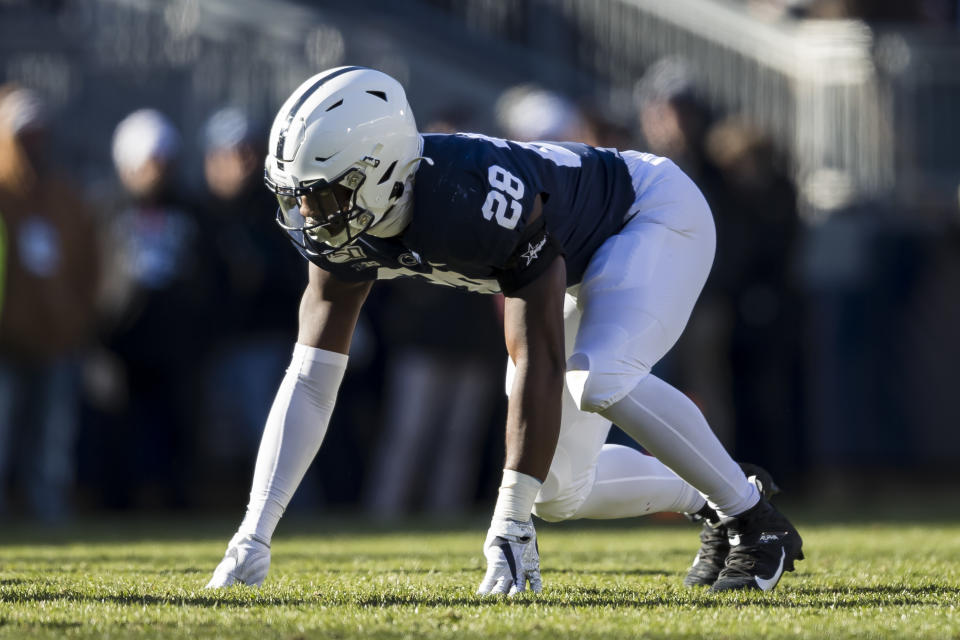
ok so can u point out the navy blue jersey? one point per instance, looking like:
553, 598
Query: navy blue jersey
472, 200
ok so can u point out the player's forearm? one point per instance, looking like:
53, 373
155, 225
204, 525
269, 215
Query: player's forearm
329, 311
533, 416
329, 324
533, 426
293, 434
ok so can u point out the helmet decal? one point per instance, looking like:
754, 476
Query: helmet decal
281, 140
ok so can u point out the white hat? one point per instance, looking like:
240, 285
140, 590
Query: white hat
530, 113
228, 128
23, 109
142, 135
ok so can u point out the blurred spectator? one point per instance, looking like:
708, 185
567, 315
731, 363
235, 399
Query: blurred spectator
943, 12
673, 118
444, 365
527, 112
753, 275
157, 309
50, 254
260, 278
444, 362
602, 130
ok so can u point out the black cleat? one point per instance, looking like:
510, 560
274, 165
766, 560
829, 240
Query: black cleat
710, 559
714, 545
763, 545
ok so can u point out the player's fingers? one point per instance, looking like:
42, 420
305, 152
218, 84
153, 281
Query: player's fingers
520, 584
485, 585
225, 573
536, 583
255, 571
489, 580
224, 579
503, 586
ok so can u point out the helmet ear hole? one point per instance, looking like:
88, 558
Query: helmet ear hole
388, 172
397, 190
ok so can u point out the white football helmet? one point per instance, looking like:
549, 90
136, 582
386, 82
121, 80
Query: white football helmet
341, 148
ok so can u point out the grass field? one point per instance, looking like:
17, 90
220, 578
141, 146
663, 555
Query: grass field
143, 579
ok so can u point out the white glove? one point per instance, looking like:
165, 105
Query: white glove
512, 558
246, 561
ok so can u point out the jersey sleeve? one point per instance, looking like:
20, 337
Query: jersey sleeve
537, 249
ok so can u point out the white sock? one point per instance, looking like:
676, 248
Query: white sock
671, 427
629, 484
292, 436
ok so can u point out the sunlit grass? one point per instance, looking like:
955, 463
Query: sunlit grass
348, 579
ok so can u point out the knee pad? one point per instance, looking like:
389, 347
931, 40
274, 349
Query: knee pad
595, 386
558, 509
564, 489
556, 506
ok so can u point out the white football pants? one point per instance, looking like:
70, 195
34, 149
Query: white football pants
631, 307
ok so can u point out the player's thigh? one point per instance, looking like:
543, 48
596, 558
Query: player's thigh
638, 292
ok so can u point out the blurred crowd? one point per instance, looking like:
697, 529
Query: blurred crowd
936, 12
136, 329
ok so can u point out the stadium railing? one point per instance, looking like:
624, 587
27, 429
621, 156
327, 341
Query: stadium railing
864, 114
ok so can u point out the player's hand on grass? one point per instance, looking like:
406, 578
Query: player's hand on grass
246, 561
512, 558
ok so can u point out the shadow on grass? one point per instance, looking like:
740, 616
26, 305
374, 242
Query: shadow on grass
201, 528
214, 599
791, 598
613, 572
598, 597
879, 595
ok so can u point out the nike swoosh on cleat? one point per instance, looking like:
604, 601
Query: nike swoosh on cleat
769, 583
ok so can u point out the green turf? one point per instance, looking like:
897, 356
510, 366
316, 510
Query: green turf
124, 579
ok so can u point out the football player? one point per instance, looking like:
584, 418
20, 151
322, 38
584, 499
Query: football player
601, 255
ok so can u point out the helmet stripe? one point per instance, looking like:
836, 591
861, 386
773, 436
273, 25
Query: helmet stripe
300, 102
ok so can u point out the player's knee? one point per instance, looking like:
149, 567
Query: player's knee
564, 489
558, 508
595, 387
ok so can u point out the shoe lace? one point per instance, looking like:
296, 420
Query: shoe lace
742, 560
713, 545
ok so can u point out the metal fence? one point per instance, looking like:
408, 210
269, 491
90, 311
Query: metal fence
98, 60
865, 115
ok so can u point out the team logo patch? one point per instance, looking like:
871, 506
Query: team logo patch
347, 254
410, 259
533, 251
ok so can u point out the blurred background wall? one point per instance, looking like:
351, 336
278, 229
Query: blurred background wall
823, 132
